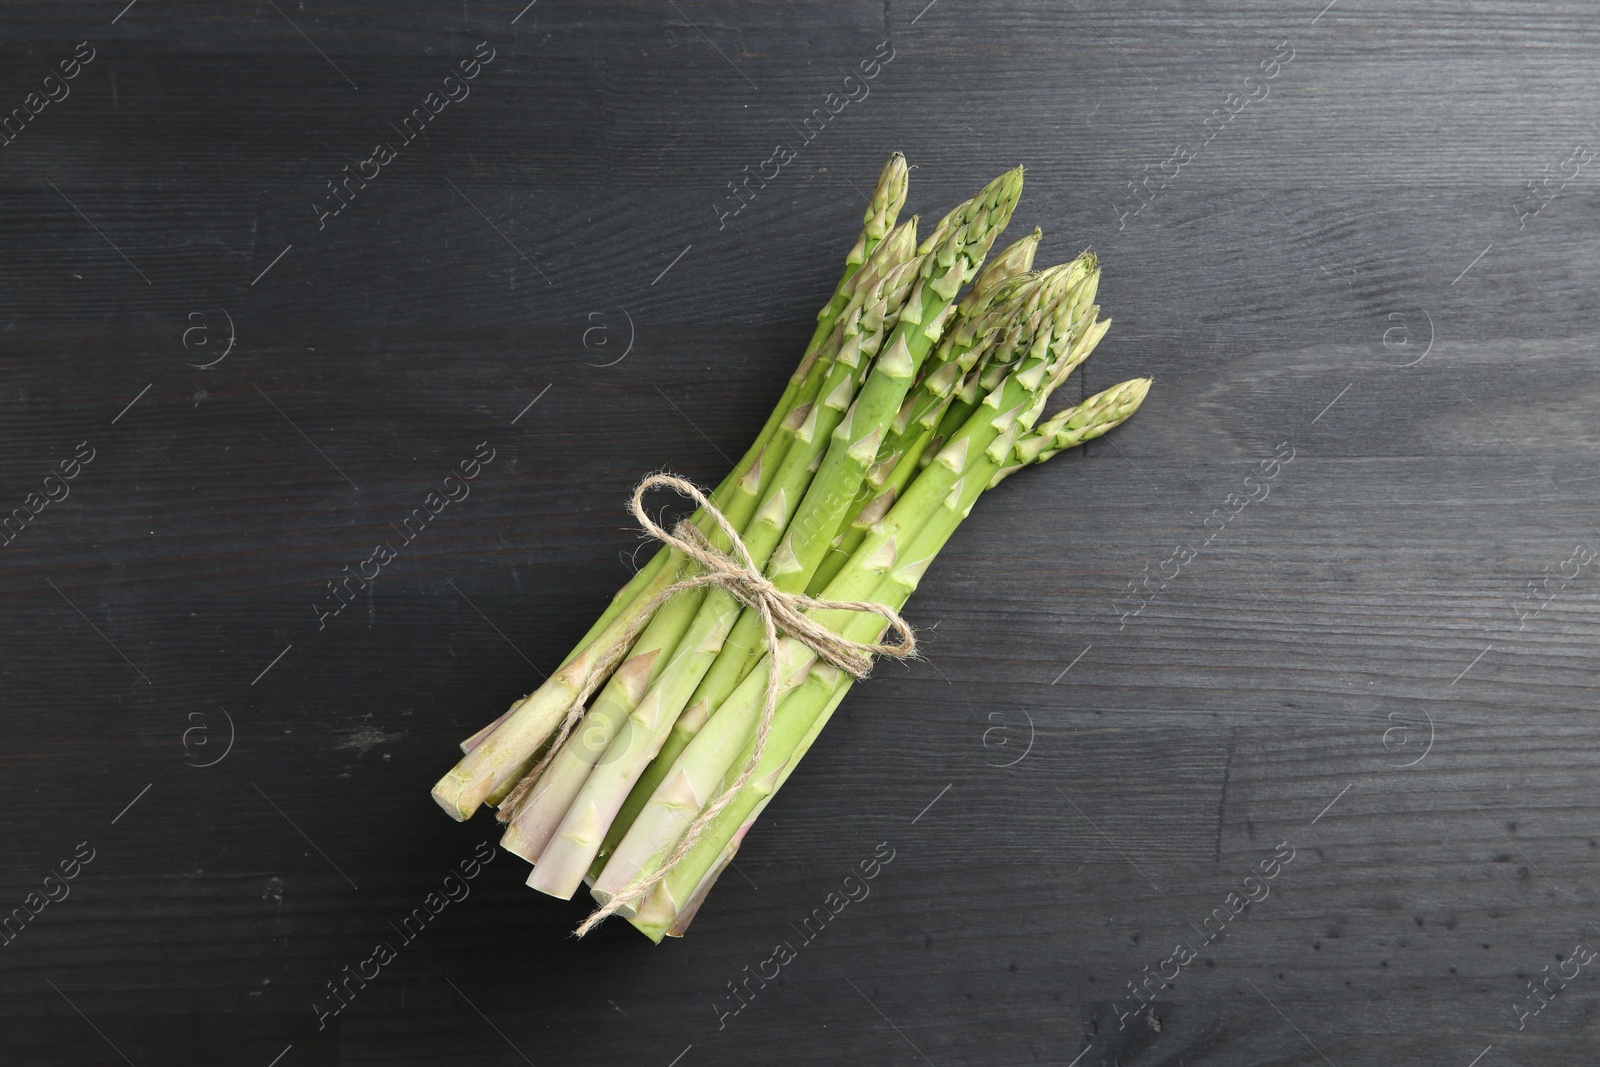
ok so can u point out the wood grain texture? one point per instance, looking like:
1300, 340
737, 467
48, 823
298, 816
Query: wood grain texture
1349, 666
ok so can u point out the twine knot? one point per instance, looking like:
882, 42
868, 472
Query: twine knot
738, 574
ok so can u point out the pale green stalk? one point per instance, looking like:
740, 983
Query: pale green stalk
949, 265
953, 253
888, 197
885, 574
566, 816
926, 441
494, 762
986, 349
526, 832
656, 914
538, 807
979, 314
799, 720
1021, 300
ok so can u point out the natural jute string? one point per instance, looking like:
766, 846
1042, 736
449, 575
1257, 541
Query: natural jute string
780, 612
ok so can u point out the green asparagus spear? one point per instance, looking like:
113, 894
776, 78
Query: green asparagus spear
555, 823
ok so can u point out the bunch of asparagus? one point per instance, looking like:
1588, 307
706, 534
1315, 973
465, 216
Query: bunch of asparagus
907, 405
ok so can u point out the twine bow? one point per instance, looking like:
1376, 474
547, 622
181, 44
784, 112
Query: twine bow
737, 574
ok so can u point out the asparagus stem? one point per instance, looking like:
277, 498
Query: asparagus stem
472, 742
803, 713
700, 772
953, 252
983, 346
500, 757
873, 418
899, 457
970, 230
888, 197
678, 630
866, 322
528, 812
580, 814
657, 915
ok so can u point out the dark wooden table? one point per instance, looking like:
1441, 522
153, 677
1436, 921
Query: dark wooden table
1323, 614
